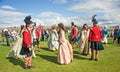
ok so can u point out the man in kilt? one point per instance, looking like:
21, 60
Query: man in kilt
95, 37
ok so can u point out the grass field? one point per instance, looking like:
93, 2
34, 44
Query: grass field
46, 61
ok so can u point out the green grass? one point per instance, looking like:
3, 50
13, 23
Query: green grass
46, 61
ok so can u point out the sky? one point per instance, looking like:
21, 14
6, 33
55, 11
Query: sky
52, 12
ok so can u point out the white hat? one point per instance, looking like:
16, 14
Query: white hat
5, 30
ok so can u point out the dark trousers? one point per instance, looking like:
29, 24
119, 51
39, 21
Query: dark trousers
7, 40
47, 36
119, 40
42, 37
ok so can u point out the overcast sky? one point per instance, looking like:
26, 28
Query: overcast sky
49, 12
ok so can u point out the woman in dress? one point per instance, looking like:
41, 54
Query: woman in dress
65, 52
33, 39
15, 51
84, 44
53, 43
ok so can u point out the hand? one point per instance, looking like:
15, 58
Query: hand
89, 40
82, 41
30, 49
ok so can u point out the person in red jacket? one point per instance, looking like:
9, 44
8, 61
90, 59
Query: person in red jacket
95, 37
27, 43
74, 34
38, 35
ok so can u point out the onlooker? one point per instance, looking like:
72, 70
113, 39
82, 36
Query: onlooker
13, 35
115, 39
105, 34
7, 36
46, 35
119, 36
42, 34
3, 35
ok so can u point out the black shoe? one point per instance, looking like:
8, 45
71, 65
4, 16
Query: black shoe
96, 59
31, 67
91, 58
26, 67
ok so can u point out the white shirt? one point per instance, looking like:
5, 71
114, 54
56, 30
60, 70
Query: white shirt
34, 34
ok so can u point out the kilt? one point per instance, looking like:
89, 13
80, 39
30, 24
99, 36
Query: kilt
96, 46
37, 41
25, 51
34, 42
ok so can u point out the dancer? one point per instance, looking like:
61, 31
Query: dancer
84, 44
53, 43
65, 52
27, 43
15, 51
33, 38
74, 34
95, 37
38, 35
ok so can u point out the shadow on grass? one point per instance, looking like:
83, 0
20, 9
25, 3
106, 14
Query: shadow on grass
4, 45
47, 49
43, 48
108, 43
80, 57
75, 52
49, 58
16, 61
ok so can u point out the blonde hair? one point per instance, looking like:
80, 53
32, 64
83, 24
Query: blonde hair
53, 27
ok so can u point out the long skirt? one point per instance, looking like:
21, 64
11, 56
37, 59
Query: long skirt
25, 51
84, 47
15, 51
65, 53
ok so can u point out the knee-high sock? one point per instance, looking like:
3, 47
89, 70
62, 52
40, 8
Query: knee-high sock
96, 54
38, 45
26, 61
89, 51
92, 53
29, 61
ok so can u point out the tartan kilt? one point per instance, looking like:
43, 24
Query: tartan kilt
25, 51
96, 46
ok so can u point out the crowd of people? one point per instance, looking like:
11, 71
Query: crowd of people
88, 40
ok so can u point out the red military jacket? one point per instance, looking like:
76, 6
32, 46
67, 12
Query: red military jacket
95, 34
38, 33
26, 38
74, 32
